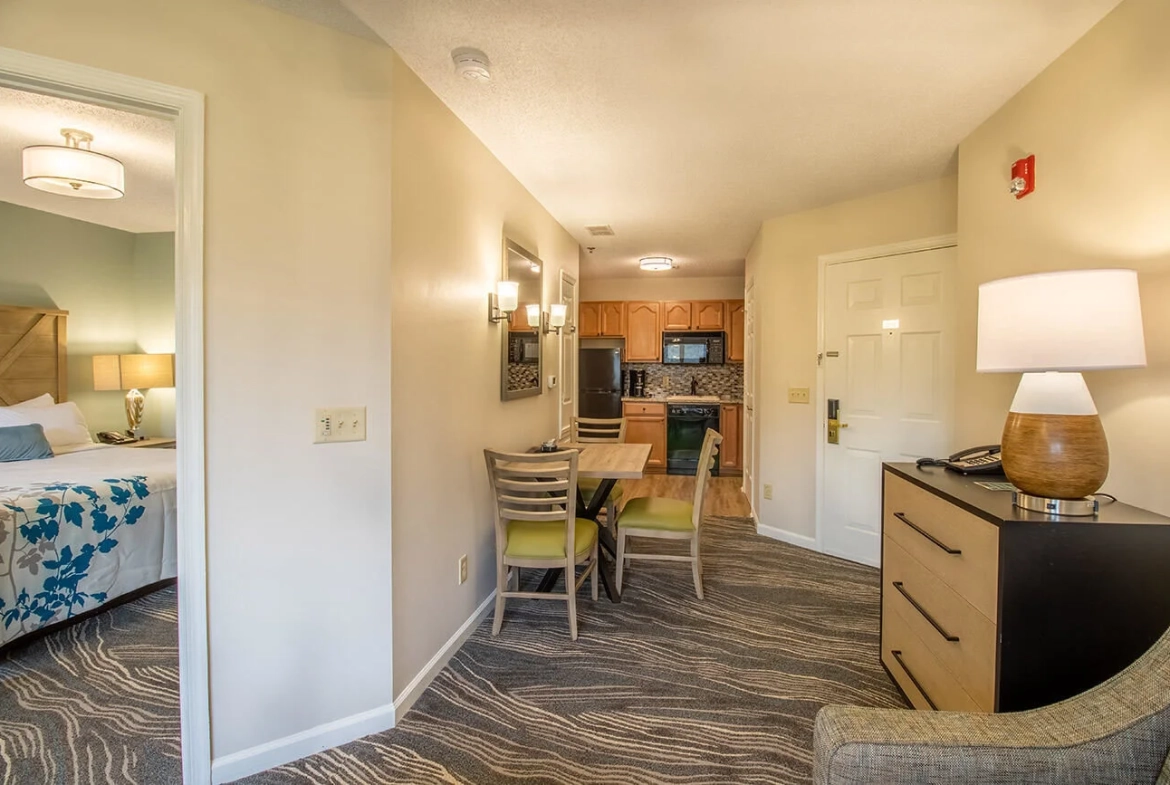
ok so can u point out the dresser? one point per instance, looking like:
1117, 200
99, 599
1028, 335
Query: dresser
987, 607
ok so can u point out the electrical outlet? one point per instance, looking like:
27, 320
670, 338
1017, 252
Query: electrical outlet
345, 424
798, 395
767, 490
463, 569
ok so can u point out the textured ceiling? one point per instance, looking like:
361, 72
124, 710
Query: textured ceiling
144, 145
684, 123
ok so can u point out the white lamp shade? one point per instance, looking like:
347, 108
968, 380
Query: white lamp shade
1077, 320
533, 311
556, 315
508, 293
71, 171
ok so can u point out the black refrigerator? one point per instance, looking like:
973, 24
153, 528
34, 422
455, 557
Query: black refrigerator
599, 393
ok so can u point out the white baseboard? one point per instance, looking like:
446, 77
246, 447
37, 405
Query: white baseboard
421, 681
271, 754
783, 535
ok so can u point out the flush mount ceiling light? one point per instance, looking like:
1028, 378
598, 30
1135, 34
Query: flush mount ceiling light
73, 169
656, 263
471, 64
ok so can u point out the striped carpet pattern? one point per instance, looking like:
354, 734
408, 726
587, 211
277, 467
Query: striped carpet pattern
97, 702
662, 688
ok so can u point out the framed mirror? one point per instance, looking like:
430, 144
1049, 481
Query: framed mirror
520, 367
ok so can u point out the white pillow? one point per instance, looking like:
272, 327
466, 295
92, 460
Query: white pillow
39, 402
10, 415
64, 423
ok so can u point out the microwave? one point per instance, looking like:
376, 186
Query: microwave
692, 348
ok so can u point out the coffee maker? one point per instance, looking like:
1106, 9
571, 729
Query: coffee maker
636, 383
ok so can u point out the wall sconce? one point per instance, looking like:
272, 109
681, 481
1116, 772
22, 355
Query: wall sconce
503, 301
534, 315
556, 318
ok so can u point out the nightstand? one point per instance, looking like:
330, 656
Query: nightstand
161, 442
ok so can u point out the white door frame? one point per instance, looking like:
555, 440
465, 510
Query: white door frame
45, 75
571, 324
861, 254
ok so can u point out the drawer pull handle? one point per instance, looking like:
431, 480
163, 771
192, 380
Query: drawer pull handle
926, 534
952, 638
898, 657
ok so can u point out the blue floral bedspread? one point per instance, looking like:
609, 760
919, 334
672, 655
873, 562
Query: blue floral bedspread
66, 548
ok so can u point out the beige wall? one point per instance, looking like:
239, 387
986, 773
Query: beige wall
665, 288
452, 199
297, 303
119, 289
783, 265
1098, 121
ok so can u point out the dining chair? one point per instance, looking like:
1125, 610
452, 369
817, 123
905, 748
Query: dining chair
537, 525
593, 430
669, 519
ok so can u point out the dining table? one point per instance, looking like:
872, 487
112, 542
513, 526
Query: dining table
608, 463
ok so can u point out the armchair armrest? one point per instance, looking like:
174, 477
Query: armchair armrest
1103, 740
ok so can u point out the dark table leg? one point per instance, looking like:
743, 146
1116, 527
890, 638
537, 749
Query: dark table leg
605, 539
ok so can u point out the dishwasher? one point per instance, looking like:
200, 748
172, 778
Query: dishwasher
686, 425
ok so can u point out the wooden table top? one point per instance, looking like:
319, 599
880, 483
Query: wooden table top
608, 461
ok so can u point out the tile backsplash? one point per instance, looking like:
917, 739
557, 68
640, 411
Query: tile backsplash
726, 381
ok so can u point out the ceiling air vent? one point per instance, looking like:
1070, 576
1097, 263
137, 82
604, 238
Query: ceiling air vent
603, 230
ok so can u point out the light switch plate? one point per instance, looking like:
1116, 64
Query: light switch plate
768, 490
798, 395
340, 424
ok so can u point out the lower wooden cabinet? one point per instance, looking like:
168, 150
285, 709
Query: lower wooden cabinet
646, 424
731, 428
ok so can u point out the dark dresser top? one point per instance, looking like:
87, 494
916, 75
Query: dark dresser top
996, 506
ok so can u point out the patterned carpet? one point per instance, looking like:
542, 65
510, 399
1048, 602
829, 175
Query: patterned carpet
97, 702
662, 688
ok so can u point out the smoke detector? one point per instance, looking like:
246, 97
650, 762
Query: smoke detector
471, 64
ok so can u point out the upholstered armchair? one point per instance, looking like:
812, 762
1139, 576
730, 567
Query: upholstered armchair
1115, 734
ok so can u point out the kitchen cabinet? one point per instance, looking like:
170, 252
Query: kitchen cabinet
735, 339
731, 428
589, 320
676, 316
613, 319
646, 424
643, 332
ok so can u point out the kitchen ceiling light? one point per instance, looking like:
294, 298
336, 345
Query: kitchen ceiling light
656, 263
73, 169
472, 64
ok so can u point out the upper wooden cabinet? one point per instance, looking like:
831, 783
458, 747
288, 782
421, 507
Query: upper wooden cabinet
735, 340
589, 320
643, 333
613, 319
676, 316
706, 315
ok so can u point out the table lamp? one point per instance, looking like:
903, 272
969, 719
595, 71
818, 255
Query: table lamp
131, 372
1052, 326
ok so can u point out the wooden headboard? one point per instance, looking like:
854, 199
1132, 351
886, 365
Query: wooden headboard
32, 354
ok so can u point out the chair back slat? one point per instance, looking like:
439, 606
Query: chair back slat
593, 430
534, 487
711, 442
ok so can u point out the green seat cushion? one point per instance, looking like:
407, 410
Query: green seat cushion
652, 512
546, 540
589, 487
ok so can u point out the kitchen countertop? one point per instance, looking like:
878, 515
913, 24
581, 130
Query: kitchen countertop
665, 399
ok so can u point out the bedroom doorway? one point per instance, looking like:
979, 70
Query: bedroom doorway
125, 510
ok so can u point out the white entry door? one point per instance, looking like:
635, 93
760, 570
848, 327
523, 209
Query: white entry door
889, 362
748, 443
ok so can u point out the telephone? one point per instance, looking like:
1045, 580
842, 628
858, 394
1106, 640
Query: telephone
976, 460
113, 437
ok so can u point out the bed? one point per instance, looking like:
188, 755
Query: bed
92, 525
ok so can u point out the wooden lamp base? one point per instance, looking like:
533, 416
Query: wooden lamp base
1057, 456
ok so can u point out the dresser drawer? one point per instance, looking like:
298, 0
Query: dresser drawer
918, 671
959, 548
961, 637
653, 409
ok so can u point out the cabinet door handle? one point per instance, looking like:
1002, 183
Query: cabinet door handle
901, 662
952, 638
927, 535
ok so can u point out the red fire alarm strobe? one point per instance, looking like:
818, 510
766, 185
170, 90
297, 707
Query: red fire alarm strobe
1024, 176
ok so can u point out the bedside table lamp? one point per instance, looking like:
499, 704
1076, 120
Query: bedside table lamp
1051, 326
131, 372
